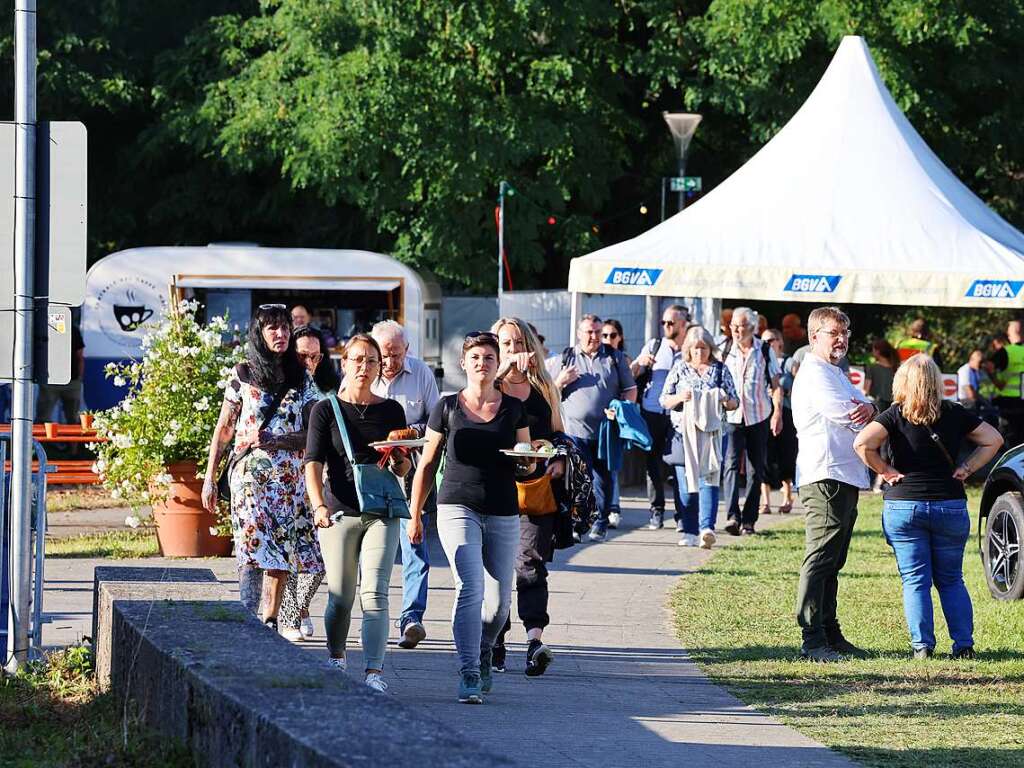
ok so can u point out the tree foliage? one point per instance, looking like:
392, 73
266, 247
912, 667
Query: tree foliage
388, 125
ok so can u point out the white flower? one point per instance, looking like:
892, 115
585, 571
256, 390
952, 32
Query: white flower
203, 404
175, 425
122, 441
213, 530
164, 478
131, 521
175, 387
169, 440
115, 493
119, 381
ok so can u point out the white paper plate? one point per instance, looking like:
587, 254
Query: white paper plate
527, 454
418, 442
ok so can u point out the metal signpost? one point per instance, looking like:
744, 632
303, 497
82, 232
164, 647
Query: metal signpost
43, 222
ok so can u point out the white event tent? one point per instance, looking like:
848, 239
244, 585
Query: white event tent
846, 204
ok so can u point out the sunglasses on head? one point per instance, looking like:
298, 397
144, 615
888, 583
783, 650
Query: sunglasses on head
273, 306
481, 334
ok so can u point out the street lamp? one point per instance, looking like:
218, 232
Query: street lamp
682, 125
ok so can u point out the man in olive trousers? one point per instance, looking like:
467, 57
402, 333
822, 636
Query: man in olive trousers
828, 412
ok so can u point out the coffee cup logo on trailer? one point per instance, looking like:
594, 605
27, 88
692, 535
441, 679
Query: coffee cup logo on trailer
125, 305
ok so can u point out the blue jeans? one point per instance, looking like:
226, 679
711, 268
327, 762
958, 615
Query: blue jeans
415, 569
928, 538
482, 552
614, 505
602, 478
699, 510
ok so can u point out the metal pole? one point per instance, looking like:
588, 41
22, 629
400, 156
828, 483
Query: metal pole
662, 198
501, 241
682, 175
24, 266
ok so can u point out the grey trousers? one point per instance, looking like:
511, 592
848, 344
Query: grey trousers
482, 552
359, 550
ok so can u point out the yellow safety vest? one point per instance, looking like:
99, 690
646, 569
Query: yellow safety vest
1013, 372
907, 348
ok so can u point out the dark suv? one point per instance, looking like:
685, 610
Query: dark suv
1001, 526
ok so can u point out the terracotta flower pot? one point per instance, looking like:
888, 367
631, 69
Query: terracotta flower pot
182, 525
51, 429
86, 420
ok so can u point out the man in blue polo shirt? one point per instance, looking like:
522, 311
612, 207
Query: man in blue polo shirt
651, 367
590, 376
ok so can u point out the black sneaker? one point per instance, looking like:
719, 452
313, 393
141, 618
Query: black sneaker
657, 520
271, 623
733, 527
967, 652
498, 658
923, 653
843, 646
822, 655
538, 658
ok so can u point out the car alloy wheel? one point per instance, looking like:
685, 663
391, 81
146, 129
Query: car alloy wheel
1001, 547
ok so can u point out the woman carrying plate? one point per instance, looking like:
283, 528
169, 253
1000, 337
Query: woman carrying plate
358, 547
477, 505
522, 375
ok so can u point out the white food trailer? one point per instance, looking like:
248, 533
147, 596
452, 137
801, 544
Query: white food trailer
345, 290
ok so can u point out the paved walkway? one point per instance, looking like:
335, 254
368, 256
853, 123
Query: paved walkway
620, 692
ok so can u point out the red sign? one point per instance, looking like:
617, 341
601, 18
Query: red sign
856, 376
949, 386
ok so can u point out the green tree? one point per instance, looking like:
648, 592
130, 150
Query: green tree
413, 112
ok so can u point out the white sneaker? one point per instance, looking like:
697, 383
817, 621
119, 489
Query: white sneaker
707, 538
339, 664
375, 682
688, 540
614, 518
306, 627
290, 633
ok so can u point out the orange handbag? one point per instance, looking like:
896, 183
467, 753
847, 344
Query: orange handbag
536, 497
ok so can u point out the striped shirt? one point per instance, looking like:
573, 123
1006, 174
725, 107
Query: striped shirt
751, 383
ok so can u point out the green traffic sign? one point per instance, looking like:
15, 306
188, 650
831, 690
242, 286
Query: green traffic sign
685, 184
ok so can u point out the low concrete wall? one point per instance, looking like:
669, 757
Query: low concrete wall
194, 664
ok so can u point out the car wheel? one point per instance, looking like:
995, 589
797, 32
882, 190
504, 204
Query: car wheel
1001, 547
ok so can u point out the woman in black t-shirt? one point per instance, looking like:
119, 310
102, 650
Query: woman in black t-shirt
522, 375
477, 505
360, 542
925, 518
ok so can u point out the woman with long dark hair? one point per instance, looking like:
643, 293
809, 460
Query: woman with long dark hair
613, 335
294, 618
262, 420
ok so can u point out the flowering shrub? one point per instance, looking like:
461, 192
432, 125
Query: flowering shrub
171, 409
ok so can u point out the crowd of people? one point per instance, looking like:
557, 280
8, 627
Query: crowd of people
524, 460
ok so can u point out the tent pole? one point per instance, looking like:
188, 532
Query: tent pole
575, 313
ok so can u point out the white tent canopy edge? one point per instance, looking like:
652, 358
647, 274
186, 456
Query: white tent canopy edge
846, 204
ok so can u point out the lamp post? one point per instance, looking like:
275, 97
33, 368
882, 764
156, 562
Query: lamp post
682, 125
504, 188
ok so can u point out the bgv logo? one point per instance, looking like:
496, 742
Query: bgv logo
813, 283
632, 276
994, 289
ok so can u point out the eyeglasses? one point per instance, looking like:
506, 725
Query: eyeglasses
847, 334
612, 335
314, 357
481, 334
740, 327
668, 322
369, 362
273, 306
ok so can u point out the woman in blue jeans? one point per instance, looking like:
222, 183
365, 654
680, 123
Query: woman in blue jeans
695, 377
925, 517
477, 505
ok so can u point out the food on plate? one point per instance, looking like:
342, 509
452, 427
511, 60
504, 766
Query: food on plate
523, 448
403, 434
544, 446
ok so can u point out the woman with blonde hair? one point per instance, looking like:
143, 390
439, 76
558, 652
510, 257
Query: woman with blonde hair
696, 390
925, 517
522, 375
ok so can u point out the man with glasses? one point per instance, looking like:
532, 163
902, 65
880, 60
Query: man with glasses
650, 370
755, 371
591, 375
828, 412
411, 383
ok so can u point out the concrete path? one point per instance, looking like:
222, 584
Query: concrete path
621, 692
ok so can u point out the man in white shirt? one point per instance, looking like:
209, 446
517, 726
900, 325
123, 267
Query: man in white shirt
828, 411
412, 384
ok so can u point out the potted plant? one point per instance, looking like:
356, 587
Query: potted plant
158, 436
85, 418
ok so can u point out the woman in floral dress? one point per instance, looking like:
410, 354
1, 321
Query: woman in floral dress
272, 524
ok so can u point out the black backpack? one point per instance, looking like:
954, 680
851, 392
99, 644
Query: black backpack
643, 380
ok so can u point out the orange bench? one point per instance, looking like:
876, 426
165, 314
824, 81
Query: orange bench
64, 471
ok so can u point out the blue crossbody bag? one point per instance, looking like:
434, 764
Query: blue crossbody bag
378, 490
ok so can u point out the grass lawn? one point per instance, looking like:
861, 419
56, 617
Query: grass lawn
52, 714
128, 544
737, 618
